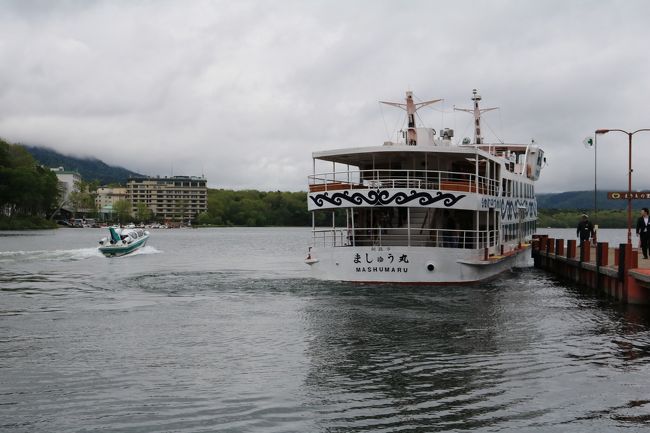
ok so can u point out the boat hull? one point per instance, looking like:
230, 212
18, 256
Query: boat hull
411, 265
122, 250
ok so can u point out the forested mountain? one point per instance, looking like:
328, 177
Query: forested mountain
89, 168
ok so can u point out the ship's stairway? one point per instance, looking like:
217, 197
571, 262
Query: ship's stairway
422, 220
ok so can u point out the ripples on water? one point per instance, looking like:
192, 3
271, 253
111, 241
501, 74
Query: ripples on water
190, 337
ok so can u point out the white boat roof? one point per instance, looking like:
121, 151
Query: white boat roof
358, 155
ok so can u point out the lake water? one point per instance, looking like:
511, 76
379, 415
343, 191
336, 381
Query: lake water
222, 330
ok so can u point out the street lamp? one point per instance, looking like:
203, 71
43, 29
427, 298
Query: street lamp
589, 143
629, 176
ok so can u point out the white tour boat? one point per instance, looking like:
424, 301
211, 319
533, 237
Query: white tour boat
424, 210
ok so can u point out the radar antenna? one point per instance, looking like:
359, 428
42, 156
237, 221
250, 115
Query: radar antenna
411, 107
478, 139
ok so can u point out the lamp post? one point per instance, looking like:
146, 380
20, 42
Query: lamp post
629, 176
595, 185
589, 142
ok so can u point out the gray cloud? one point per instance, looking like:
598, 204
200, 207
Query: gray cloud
245, 91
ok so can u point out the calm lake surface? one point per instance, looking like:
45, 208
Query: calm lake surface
222, 330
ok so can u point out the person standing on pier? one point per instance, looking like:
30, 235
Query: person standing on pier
585, 229
643, 231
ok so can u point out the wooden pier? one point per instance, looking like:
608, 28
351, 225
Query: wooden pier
618, 272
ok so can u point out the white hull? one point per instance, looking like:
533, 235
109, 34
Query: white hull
411, 265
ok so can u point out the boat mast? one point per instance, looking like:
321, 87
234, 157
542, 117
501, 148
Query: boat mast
478, 139
411, 108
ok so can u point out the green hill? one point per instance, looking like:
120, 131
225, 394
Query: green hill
584, 200
89, 168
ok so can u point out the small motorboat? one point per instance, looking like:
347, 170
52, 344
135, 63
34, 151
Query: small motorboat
123, 241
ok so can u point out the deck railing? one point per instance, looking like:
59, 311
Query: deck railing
442, 238
417, 179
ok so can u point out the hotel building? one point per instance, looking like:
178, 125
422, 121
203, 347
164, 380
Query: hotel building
106, 198
176, 198
68, 181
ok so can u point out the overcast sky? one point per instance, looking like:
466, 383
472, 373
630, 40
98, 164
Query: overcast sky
244, 91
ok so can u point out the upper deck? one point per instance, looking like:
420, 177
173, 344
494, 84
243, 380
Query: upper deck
419, 176
426, 170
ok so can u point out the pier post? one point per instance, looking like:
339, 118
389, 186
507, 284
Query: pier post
571, 249
621, 261
585, 251
550, 245
559, 247
543, 240
602, 254
627, 265
534, 251
602, 259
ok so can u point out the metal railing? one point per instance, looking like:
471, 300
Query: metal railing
441, 238
417, 179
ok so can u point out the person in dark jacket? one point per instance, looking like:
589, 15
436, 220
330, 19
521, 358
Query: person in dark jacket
643, 231
585, 229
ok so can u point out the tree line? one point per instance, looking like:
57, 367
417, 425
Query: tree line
564, 218
255, 208
28, 191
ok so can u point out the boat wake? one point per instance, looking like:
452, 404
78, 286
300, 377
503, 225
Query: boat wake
64, 255
50, 255
147, 249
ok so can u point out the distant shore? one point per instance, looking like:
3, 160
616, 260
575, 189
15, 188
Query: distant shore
568, 218
26, 223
